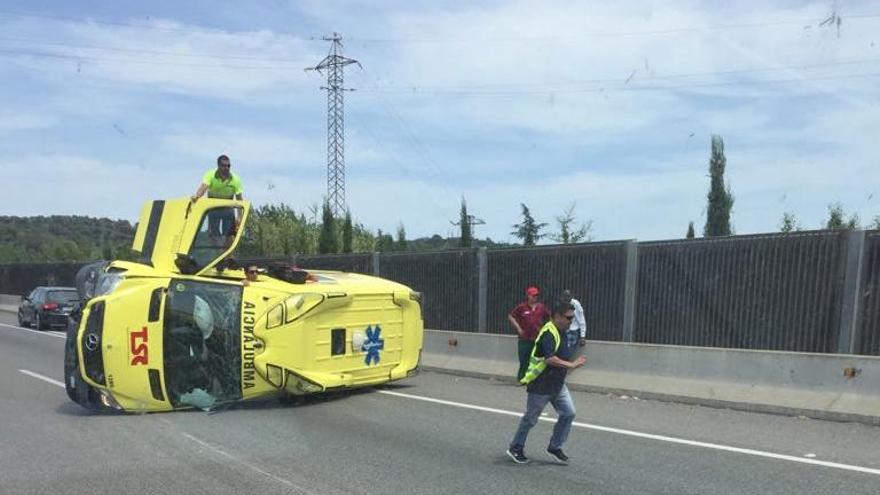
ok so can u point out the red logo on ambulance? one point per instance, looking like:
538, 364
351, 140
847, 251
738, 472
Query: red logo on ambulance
138, 344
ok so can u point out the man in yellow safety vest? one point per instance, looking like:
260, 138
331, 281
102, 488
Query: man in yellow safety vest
221, 183
545, 380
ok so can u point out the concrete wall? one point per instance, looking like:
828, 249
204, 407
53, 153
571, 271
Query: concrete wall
9, 303
806, 384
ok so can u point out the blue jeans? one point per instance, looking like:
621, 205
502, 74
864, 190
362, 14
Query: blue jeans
535, 404
221, 221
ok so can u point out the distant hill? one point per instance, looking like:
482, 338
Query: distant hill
63, 238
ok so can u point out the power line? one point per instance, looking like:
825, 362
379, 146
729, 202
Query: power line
636, 86
189, 30
513, 39
152, 52
408, 133
416, 88
471, 221
494, 89
599, 34
91, 58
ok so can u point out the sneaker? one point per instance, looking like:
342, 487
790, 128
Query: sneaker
558, 455
518, 456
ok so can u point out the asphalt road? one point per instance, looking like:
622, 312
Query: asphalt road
434, 433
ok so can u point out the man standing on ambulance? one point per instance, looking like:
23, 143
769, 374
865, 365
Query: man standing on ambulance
223, 184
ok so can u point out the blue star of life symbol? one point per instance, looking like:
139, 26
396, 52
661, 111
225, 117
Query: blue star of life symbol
373, 345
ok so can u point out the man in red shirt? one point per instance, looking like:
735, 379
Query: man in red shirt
528, 318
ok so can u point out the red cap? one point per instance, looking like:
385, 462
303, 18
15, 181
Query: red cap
532, 291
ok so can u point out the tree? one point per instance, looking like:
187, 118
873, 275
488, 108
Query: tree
876, 223
720, 199
63, 238
466, 239
347, 233
788, 223
529, 232
568, 236
327, 242
384, 242
837, 218
401, 238
690, 232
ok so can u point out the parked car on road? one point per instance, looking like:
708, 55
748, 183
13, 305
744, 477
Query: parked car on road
46, 307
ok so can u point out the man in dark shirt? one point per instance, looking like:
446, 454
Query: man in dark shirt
527, 318
555, 350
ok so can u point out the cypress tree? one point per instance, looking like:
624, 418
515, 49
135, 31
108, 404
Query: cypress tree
466, 239
720, 199
327, 242
402, 244
347, 233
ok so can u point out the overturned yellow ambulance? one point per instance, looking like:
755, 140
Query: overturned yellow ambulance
185, 328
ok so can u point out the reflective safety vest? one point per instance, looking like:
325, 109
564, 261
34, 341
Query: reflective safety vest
538, 364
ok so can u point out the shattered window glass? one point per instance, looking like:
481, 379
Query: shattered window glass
202, 343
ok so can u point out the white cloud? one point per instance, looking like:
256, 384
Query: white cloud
176, 58
247, 146
21, 121
80, 185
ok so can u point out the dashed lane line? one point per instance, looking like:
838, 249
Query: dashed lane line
57, 335
42, 377
200, 442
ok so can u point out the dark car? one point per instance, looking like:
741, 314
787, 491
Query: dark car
47, 307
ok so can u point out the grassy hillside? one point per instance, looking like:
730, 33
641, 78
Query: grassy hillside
63, 238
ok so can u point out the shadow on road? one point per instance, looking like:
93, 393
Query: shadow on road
292, 402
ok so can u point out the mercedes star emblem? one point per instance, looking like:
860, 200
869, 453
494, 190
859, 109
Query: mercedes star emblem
92, 341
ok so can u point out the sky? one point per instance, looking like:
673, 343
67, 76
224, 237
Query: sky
609, 106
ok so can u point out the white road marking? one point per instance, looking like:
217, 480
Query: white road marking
239, 460
59, 333
44, 378
619, 431
48, 334
199, 441
650, 436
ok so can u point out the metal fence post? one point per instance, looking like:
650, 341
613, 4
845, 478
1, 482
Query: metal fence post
375, 263
629, 289
482, 289
848, 336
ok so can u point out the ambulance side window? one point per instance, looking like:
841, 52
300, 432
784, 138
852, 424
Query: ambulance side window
275, 317
216, 233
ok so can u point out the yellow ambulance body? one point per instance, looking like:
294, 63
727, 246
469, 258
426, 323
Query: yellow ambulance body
181, 329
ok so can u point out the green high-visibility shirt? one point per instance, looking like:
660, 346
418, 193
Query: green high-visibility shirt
219, 188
